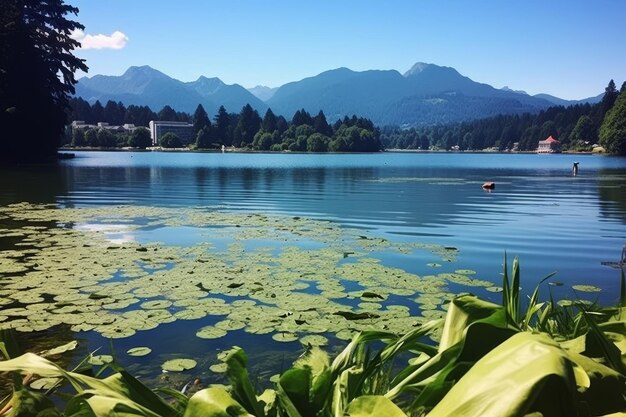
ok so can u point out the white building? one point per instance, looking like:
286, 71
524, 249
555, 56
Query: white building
80, 124
549, 145
183, 130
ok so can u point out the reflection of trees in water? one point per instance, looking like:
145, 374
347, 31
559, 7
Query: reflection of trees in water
32, 183
612, 190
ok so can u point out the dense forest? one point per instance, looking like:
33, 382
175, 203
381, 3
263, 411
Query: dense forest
577, 127
246, 129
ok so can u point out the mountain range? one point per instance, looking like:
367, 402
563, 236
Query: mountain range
425, 94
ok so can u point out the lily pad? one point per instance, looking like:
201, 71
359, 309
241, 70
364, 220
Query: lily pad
178, 365
100, 359
586, 288
314, 340
285, 337
60, 349
465, 271
218, 368
494, 289
211, 332
139, 351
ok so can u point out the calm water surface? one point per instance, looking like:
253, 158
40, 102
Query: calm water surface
538, 211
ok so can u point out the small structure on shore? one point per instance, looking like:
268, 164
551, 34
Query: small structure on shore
549, 145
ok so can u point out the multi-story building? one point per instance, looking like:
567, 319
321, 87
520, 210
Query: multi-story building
549, 145
183, 130
80, 124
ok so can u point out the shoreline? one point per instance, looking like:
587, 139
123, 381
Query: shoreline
69, 150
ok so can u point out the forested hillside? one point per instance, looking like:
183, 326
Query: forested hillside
577, 127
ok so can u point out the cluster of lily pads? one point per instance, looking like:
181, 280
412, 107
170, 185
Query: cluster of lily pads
285, 276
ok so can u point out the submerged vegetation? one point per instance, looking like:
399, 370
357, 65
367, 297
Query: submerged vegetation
514, 359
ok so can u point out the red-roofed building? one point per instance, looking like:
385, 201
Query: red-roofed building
549, 145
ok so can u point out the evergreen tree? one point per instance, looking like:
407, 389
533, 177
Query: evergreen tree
114, 113
584, 130
610, 95
97, 113
321, 125
301, 117
222, 124
269, 121
200, 119
248, 125
37, 68
168, 114
281, 125
613, 129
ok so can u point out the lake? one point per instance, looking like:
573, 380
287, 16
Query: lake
260, 250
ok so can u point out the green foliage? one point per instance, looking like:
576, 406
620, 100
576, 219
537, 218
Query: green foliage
485, 365
106, 138
78, 137
200, 119
203, 138
170, 140
613, 129
91, 138
37, 76
572, 126
140, 138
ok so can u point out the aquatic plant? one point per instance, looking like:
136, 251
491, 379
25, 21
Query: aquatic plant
491, 361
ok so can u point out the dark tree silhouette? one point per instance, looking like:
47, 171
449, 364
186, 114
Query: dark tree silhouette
36, 76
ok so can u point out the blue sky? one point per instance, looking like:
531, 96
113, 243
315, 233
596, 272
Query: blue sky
567, 48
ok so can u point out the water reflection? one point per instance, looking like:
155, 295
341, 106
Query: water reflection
612, 193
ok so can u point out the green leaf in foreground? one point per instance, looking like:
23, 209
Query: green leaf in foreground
373, 406
527, 373
214, 402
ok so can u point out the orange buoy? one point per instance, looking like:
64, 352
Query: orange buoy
489, 185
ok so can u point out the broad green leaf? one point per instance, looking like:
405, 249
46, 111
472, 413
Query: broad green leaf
463, 311
242, 389
102, 406
373, 406
605, 389
527, 373
296, 384
214, 402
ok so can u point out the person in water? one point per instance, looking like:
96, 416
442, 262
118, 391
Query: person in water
575, 168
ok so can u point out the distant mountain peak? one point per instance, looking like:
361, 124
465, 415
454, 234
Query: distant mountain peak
417, 68
506, 88
205, 85
141, 70
263, 92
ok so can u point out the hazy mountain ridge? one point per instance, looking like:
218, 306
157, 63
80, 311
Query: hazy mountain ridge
425, 94
262, 92
146, 86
